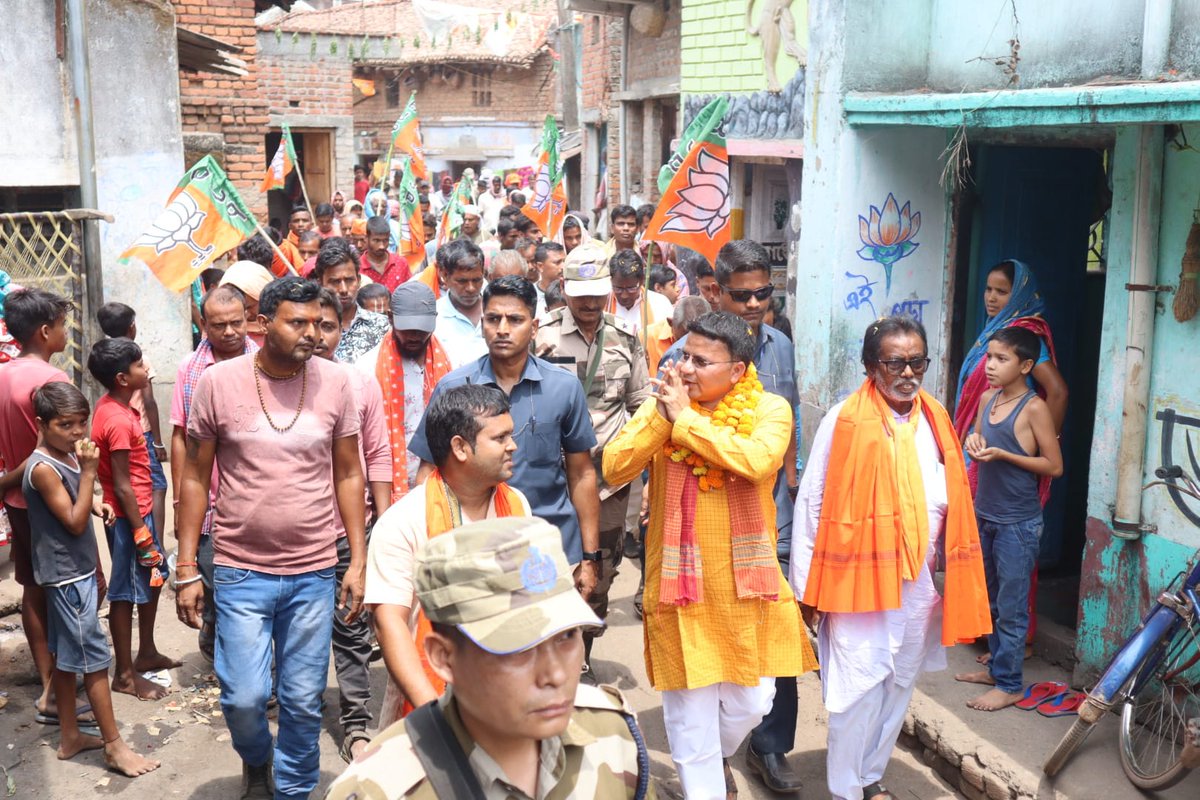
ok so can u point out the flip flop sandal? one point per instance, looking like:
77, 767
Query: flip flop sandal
1038, 693
86, 725
1065, 705
877, 790
347, 749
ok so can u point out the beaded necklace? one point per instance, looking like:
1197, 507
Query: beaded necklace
737, 410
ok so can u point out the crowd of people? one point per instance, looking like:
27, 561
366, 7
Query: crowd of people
446, 468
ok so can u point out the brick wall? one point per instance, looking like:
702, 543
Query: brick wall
304, 86
228, 105
653, 58
718, 55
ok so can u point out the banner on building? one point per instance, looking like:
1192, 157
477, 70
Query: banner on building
694, 209
281, 164
205, 217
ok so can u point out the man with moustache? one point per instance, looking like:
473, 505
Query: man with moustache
608, 360
283, 428
459, 310
407, 366
223, 325
553, 427
338, 270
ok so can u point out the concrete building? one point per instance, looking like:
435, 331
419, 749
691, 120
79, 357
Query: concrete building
483, 74
137, 143
1060, 139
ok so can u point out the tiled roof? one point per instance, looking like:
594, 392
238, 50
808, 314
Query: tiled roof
506, 34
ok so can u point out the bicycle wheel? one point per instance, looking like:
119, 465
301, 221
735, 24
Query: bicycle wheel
1155, 716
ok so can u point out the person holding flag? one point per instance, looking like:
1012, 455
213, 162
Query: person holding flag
406, 137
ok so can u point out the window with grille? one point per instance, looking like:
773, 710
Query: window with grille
481, 89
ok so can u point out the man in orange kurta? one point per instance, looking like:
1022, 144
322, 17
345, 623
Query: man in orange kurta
721, 622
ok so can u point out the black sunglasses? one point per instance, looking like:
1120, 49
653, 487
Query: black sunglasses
760, 294
896, 366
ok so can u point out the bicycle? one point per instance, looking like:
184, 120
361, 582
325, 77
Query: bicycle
1148, 678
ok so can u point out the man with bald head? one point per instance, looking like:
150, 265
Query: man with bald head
223, 328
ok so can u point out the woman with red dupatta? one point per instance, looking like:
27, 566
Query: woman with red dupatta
1011, 298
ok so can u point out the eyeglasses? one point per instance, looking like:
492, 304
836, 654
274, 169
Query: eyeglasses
760, 294
896, 366
624, 290
699, 362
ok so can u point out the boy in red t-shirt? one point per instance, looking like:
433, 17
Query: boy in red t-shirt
138, 565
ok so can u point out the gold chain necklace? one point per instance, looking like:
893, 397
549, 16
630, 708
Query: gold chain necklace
263, 403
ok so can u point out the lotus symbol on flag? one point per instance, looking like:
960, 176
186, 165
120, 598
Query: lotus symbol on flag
542, 188
176, 225
703, 205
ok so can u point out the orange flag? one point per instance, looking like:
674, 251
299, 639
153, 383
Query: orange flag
283, 163
406, 137
547, 206
204, 218
694, 209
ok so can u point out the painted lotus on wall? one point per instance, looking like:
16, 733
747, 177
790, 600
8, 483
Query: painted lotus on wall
887, 235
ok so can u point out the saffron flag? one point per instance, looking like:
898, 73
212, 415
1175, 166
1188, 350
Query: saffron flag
406, 137
412, 225
694, 209
283, 162
364, 85
205, 217
452, 215
547, 205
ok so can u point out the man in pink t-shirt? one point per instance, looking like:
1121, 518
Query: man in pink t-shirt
38, 322
278, 423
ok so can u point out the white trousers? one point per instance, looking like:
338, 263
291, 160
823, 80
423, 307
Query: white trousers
707, 724
861, 739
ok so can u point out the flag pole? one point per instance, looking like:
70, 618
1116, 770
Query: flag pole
258, 226
387, 165
304, 191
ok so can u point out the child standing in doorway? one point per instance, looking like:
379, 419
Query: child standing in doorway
1015, 444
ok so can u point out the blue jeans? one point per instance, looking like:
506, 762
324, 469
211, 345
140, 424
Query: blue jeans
1009, 552
294, 613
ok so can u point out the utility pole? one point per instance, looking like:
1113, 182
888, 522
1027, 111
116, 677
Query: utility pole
566, 66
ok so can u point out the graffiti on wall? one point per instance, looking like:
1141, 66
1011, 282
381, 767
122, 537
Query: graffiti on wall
910, 308
860, 295
887, 235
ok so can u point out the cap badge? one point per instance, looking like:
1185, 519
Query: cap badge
587, 270
538, 573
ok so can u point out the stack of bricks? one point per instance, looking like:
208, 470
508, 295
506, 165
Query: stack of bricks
227, 105
717, 54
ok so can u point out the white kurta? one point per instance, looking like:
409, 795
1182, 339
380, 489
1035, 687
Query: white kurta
860, 651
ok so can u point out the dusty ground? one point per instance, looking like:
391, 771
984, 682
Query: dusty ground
186, 730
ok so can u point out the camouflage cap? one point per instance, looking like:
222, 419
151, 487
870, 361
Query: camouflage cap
585, 272
504, 583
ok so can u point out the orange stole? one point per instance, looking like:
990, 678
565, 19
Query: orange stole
389, 371
439, 518
857, 563
429, 277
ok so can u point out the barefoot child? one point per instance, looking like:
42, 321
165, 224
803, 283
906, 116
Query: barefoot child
57, 485
1014, 442
138, 565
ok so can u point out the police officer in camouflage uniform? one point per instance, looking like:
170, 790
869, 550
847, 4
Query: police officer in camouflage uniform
507, 638
610, 362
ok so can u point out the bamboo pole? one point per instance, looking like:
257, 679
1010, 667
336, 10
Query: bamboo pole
287, 263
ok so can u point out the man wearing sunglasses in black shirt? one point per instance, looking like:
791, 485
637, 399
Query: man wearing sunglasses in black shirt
743, 272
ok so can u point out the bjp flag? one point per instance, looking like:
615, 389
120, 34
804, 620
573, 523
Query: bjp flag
205, 217
283, 163
406, 137
412, 224
547, 205
452, 215
694, 209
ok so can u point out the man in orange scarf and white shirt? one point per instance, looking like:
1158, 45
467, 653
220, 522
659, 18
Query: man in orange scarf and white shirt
470, 434
884, 492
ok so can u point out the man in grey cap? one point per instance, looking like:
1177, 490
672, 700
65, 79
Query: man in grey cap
407, 364
507, 638
609, 361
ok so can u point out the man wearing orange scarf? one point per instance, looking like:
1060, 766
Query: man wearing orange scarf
408, 364
883, 494
721, 623
470, 433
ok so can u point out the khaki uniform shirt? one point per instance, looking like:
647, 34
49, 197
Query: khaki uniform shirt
621, 383
595, 757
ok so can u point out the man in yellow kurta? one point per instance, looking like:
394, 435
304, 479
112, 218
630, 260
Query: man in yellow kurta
721, 622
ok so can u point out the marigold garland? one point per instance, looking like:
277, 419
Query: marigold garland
738, 410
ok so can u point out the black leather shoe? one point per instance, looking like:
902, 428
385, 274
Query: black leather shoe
774, 771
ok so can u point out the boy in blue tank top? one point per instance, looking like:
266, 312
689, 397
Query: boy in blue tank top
58, 482
1015, 445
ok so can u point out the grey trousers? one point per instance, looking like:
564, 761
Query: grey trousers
351, 655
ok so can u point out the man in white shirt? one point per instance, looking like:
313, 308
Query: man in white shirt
470, 433
629, 290
459, 309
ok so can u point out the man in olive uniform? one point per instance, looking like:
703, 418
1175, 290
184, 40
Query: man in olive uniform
508, 640
611, 364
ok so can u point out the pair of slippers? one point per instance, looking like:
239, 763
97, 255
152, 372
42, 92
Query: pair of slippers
88, 726
1051, 699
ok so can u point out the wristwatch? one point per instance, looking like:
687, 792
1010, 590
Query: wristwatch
594, 555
